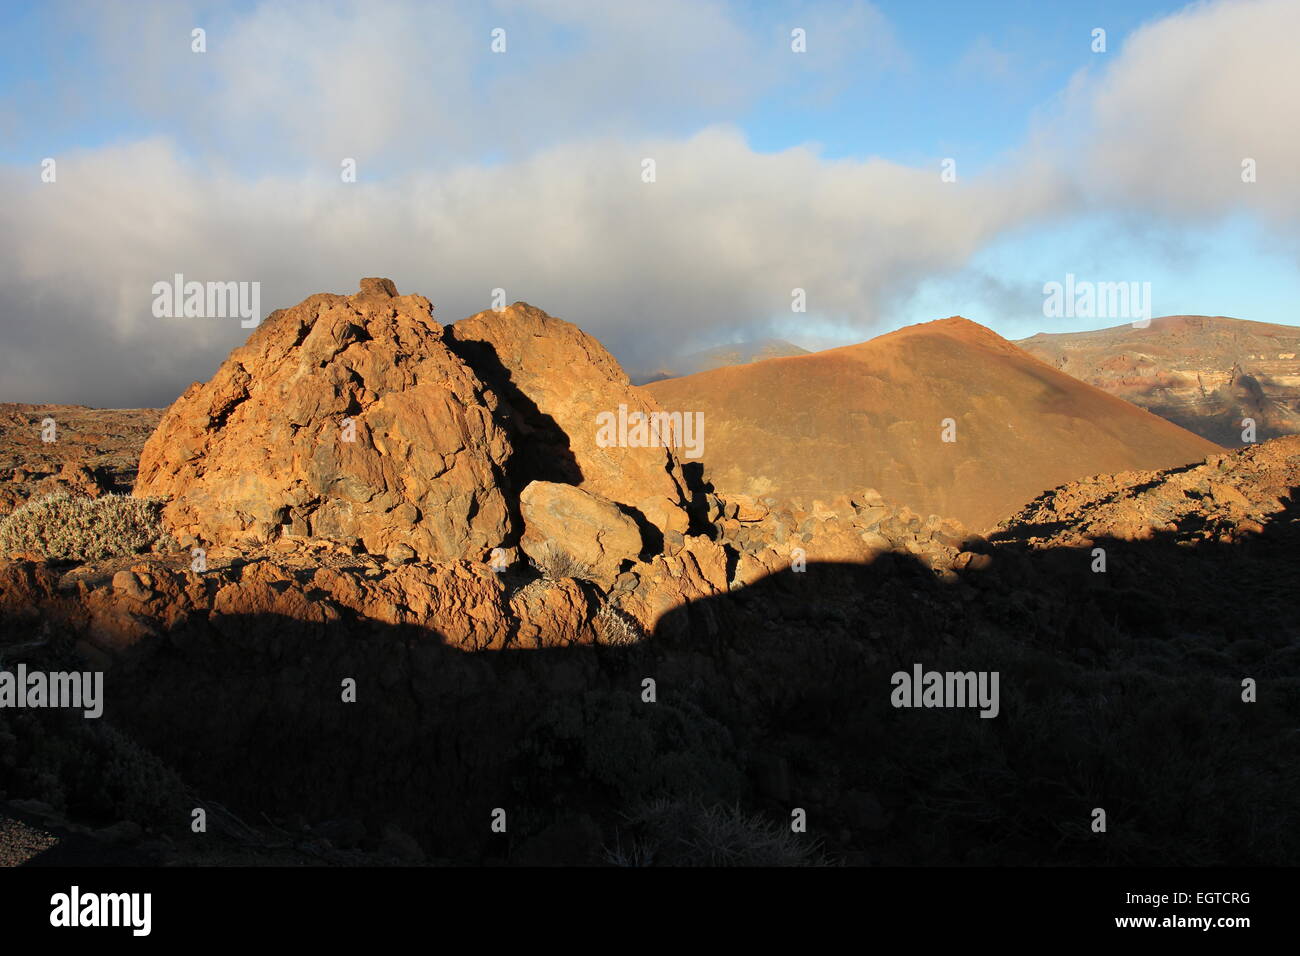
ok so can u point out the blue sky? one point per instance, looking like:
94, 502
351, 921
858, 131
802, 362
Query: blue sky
966, 80
520, 170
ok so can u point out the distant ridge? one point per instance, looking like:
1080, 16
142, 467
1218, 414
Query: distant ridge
741, 353
1206, 373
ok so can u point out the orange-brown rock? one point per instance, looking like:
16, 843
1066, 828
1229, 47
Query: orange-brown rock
553, 614
142, 602
463, 604
462, 601
698, 570
266, 589
344, 417
1224, 498
554, 380
26, 588
584, 526
753, 566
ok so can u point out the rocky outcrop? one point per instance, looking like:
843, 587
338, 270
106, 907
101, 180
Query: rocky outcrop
554, 613
345, 417
771, 535
553, 380
462, 604
1226, 498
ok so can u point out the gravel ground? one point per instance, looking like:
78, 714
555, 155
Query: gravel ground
20, 842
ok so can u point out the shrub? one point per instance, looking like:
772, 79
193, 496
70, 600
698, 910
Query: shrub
617, 627
556, 564
76, 528
86, 769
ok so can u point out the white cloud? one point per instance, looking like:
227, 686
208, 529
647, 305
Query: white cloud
1167, 125
722, 236
406, 84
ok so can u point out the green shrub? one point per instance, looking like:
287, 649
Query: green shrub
66, 527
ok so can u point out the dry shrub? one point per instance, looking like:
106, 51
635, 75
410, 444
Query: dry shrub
556, 564
616, 627
64, 527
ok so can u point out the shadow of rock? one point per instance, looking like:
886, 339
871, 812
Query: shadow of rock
541, 447
1120, 690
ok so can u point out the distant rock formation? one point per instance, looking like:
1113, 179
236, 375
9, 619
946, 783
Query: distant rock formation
48, 448
1205, 373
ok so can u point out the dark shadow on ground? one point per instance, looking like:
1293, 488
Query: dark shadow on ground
1120, 691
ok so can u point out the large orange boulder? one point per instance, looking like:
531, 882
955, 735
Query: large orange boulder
554, 380
570, 531
345, 417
